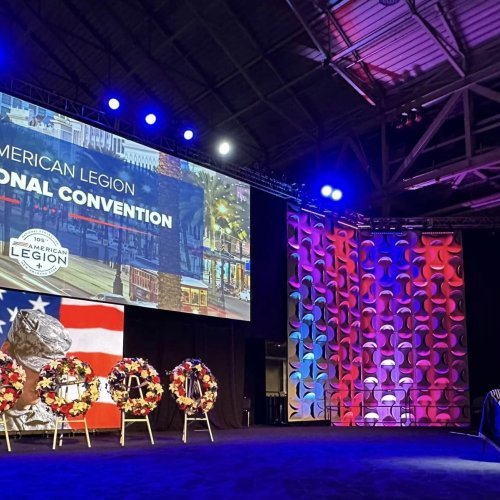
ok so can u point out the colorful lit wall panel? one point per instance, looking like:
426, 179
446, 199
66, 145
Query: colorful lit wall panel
323, 341
376, 325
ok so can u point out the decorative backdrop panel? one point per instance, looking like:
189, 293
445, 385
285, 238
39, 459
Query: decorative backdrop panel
323, 340
375, 338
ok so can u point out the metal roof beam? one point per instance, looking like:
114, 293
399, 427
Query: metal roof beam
253, 39
247, 66
451, 32
468, 123
447, 172
426, 137
344, 74
363, 160
331, 16
199, 71
477, 205
490, 94
50, 53
62, 41
434, 34
137, 40
377, 34
487, 73
244, 74
268, 96
490, 72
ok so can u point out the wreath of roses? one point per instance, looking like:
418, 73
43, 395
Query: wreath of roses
59, 372
196, 370
12, 378
149, 380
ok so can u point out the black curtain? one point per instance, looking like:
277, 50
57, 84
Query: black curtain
482, 297
233, 350
165, 339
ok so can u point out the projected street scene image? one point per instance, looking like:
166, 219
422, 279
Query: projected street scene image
88, 214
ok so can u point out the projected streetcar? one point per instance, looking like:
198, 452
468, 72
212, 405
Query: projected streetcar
89, 214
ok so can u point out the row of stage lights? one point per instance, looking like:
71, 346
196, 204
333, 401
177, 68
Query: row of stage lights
408, 118
333, 193
223, 148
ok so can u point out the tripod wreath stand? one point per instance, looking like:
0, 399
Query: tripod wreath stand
194, 389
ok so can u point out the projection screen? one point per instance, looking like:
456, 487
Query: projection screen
85, 213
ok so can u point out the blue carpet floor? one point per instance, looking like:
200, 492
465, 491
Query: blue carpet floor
258, 462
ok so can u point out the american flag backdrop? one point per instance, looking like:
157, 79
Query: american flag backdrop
96, 331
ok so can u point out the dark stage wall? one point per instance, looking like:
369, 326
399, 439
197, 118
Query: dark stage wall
482, 291
232, 349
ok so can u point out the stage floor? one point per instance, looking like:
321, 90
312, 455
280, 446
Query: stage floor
256, 462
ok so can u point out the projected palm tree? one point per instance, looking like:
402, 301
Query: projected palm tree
221, 203
224, 214
169, 285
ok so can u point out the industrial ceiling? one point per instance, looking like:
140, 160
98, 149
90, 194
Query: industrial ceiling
398, 98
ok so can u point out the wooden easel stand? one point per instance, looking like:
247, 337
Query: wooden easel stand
144, 419
188, 388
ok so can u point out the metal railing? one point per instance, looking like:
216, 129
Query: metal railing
401, 407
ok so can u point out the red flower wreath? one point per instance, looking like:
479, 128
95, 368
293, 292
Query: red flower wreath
149, 380
197, 371
12, 378
56, 374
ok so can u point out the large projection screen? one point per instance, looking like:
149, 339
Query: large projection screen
85, 213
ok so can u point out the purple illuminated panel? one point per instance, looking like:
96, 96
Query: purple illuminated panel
375, 338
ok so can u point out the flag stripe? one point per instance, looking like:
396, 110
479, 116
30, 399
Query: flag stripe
67, 301
96, 330
100, 362
100, 416
93, 316
96, 340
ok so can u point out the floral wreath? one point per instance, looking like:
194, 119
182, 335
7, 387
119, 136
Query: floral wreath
57, 374
119, 386
196, 371
12, 378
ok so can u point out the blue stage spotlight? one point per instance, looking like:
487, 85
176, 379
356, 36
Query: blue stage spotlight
326, 190
150, 118
336, 195
188, 134
114, 103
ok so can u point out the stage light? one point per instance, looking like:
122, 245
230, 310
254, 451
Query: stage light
416, 115
336, 195
224, 148
222, 208
114, 103
150, 118
188, 134
326, 190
